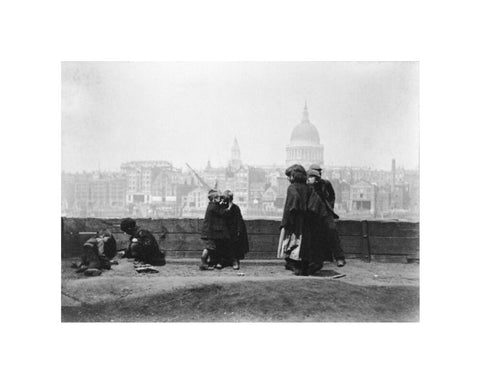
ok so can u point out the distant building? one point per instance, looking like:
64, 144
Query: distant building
213, 176
282, 184
304, 147
195, 202
68, 193
146, 180
342, 195
269, 198
382, 201
234, 177
257, 182
99, 192
400, 197
351, 174
96, 194
237, 182
152, 188
117, 191
235, 162
362, 197
413, 180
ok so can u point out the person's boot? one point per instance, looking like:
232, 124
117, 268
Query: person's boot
314, 268
300, 272
92, 272
203, 261
341, 262
236, 264
81, 269
301, 269
289, 265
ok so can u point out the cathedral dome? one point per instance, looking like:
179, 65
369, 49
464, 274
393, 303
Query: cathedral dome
304, 147
305, 131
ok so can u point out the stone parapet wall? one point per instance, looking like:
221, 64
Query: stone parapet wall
386, 241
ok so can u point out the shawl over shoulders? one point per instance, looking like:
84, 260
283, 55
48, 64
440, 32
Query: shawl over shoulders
296, 205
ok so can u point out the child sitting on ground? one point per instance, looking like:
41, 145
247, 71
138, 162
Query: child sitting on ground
98, 252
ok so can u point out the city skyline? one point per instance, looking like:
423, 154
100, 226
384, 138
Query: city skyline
225, 164
191, 112
156, 189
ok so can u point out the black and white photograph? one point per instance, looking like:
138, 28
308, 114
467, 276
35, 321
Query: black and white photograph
255, 191
240, 192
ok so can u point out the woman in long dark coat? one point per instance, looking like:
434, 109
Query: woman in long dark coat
238, 245
327, 240
301, 205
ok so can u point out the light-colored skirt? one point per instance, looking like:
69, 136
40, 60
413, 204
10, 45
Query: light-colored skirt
289, 246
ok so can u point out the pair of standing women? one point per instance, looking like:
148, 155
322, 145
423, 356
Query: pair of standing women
308, 232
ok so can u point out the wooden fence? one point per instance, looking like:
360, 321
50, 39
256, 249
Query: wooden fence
385, 241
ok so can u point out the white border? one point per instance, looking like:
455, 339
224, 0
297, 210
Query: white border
38, 35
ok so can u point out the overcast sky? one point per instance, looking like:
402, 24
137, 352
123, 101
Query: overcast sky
366, 113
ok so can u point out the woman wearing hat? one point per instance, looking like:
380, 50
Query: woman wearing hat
326, 243
295, 237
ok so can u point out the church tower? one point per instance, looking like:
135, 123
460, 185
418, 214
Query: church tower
235, 159
304, 147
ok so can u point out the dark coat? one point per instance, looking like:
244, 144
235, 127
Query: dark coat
110, 247
295, 209
144, 248
301, 208
327, 198
238, 233
323, 223
99, 249
327, 192
214, 224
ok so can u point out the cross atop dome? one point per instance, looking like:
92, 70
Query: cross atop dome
305, 113
235, 146
305, 132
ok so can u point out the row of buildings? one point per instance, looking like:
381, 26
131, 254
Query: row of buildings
158, 189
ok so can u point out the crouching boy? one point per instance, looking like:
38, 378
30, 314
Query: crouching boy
98, 251
142, 246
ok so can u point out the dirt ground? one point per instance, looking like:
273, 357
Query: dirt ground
260, 291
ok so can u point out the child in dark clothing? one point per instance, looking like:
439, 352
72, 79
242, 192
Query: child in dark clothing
214, 233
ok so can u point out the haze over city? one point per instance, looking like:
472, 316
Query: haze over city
366, 113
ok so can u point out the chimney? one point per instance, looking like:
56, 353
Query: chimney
393, 173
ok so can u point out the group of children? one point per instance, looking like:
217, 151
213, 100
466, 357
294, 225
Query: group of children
99, 250
223, 232
308, 232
